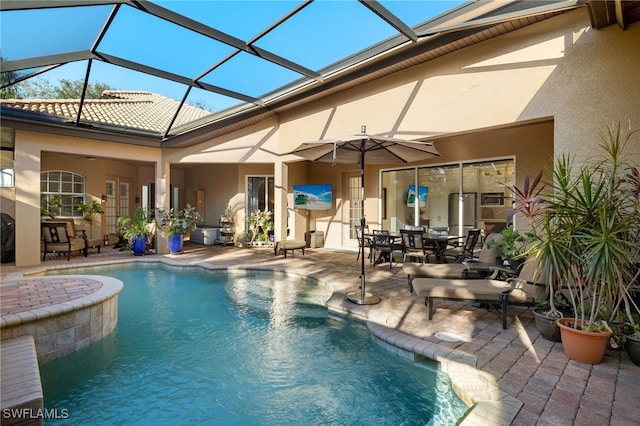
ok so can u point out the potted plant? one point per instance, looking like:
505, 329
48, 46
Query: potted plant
177, 223
586, 231
546, 316
50, 206
260, 222
227, 214
513, 247
632, 343
88, 210
137, 229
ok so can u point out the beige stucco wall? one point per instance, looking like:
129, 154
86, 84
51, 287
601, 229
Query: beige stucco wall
560, 68
559, 71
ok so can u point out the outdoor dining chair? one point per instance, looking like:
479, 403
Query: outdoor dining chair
364, 241
384, 246
460, 251
413, 245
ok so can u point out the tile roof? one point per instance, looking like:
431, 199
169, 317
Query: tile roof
131, 109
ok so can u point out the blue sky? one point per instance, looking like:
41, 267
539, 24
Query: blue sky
319, 35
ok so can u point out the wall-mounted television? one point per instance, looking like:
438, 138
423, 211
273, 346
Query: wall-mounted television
313, 197
423, 191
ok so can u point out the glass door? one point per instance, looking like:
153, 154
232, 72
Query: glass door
260, 194
399, 204
354, 200
117, 204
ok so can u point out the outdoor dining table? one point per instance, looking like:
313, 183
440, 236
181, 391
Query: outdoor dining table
385, 256
439, 244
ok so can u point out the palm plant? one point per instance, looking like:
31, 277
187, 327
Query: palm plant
588, 233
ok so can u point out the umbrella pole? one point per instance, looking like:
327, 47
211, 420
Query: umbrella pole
363, 298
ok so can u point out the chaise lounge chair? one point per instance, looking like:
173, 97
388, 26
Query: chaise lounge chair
471, 268
527, 289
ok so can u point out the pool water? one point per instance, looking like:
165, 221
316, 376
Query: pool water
193, 346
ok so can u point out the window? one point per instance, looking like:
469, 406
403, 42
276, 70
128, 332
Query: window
355, 204
458, 196
7, 157
60, 191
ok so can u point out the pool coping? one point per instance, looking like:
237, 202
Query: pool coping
486, 403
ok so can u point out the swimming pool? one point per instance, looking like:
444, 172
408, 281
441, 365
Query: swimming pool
207, 347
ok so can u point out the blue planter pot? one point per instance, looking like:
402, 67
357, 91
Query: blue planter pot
139, 244
176, 242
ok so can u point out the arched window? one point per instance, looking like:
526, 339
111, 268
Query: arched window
60, 192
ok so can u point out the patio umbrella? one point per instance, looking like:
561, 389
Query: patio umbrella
356, 149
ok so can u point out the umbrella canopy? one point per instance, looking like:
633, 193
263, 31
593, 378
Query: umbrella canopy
360, 149
378, 150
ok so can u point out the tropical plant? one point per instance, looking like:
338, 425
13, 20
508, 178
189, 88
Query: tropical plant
178, 221
587, 232
260, 223
514, 245
141, 223
88, 210
50, 205
227, 213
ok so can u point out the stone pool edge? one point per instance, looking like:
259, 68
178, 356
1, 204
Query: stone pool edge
487, 404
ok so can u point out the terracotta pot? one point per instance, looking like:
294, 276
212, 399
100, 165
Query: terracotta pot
583, 346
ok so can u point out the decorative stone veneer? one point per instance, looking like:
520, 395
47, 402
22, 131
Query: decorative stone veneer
85, 310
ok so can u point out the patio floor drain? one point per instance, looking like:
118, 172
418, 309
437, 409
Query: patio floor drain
447, 337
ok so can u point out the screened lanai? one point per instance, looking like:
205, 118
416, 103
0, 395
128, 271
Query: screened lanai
226, 64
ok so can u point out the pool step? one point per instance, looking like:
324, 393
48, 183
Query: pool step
264, 296
21, 397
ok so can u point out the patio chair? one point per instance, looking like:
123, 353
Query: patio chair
384, 247
57, 239
81, 233
481, 266
462, 251
367, 241
413, 245
527, 289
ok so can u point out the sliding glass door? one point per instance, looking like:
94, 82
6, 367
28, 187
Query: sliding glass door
455, 197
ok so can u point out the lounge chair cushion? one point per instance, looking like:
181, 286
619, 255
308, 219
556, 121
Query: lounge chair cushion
435, 270
289, 245
460, 288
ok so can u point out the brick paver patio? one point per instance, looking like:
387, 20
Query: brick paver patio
553, 389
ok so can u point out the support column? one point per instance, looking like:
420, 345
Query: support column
27, 173
281, 184
163, 182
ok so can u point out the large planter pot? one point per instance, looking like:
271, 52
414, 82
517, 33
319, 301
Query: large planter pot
583, 346
176, 242
632, 346
139, 244
547, 326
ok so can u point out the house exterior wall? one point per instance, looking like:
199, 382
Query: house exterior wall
559, 73
559, 68
36, 152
